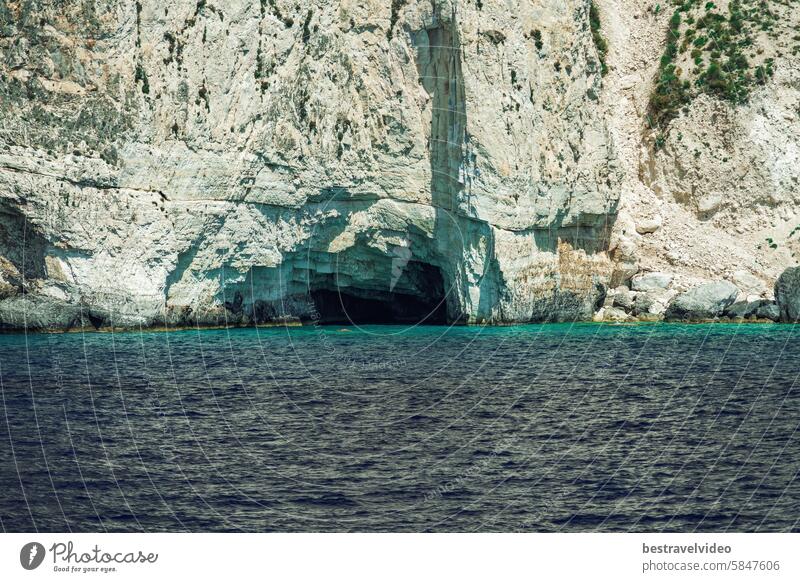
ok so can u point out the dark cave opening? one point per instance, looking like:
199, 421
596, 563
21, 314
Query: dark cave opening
421, 300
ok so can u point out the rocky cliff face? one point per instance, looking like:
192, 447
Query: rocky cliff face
192, 162
702, 104
196, 161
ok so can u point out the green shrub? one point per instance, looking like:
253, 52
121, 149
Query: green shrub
714, 38
599, 41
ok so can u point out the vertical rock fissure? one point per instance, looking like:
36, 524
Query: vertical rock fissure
439, 63
467, 243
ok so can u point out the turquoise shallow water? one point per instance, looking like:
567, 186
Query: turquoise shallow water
386, 428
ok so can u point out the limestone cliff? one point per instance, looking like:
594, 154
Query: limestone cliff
190, 162
702, 104
198, 161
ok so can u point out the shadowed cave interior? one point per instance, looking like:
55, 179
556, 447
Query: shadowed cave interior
417, 298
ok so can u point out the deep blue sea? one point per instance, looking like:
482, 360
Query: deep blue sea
585, 427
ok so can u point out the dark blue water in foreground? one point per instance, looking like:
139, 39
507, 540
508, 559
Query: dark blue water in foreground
535, 428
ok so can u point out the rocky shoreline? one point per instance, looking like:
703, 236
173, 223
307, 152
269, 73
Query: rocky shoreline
181, 164
649, 298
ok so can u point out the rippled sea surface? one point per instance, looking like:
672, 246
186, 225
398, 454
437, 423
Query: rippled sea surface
382, 428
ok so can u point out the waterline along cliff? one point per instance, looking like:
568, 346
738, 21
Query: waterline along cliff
197, 162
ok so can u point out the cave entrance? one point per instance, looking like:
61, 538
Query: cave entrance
419, 300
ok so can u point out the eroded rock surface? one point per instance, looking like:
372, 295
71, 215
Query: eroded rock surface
203, 162
722, 175
787, 295
197, 161
703, 302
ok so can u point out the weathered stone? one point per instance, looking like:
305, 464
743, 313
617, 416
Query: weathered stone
748, 283
704, 302
623, 272
769, 310
623, 298
40, 313
742, 309
614, 314
760, 309
651, 281
10, 279
709, 204
649, 225
651, 305
787, 294
642, 303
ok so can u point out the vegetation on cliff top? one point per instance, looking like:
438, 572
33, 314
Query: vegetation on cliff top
724, 53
